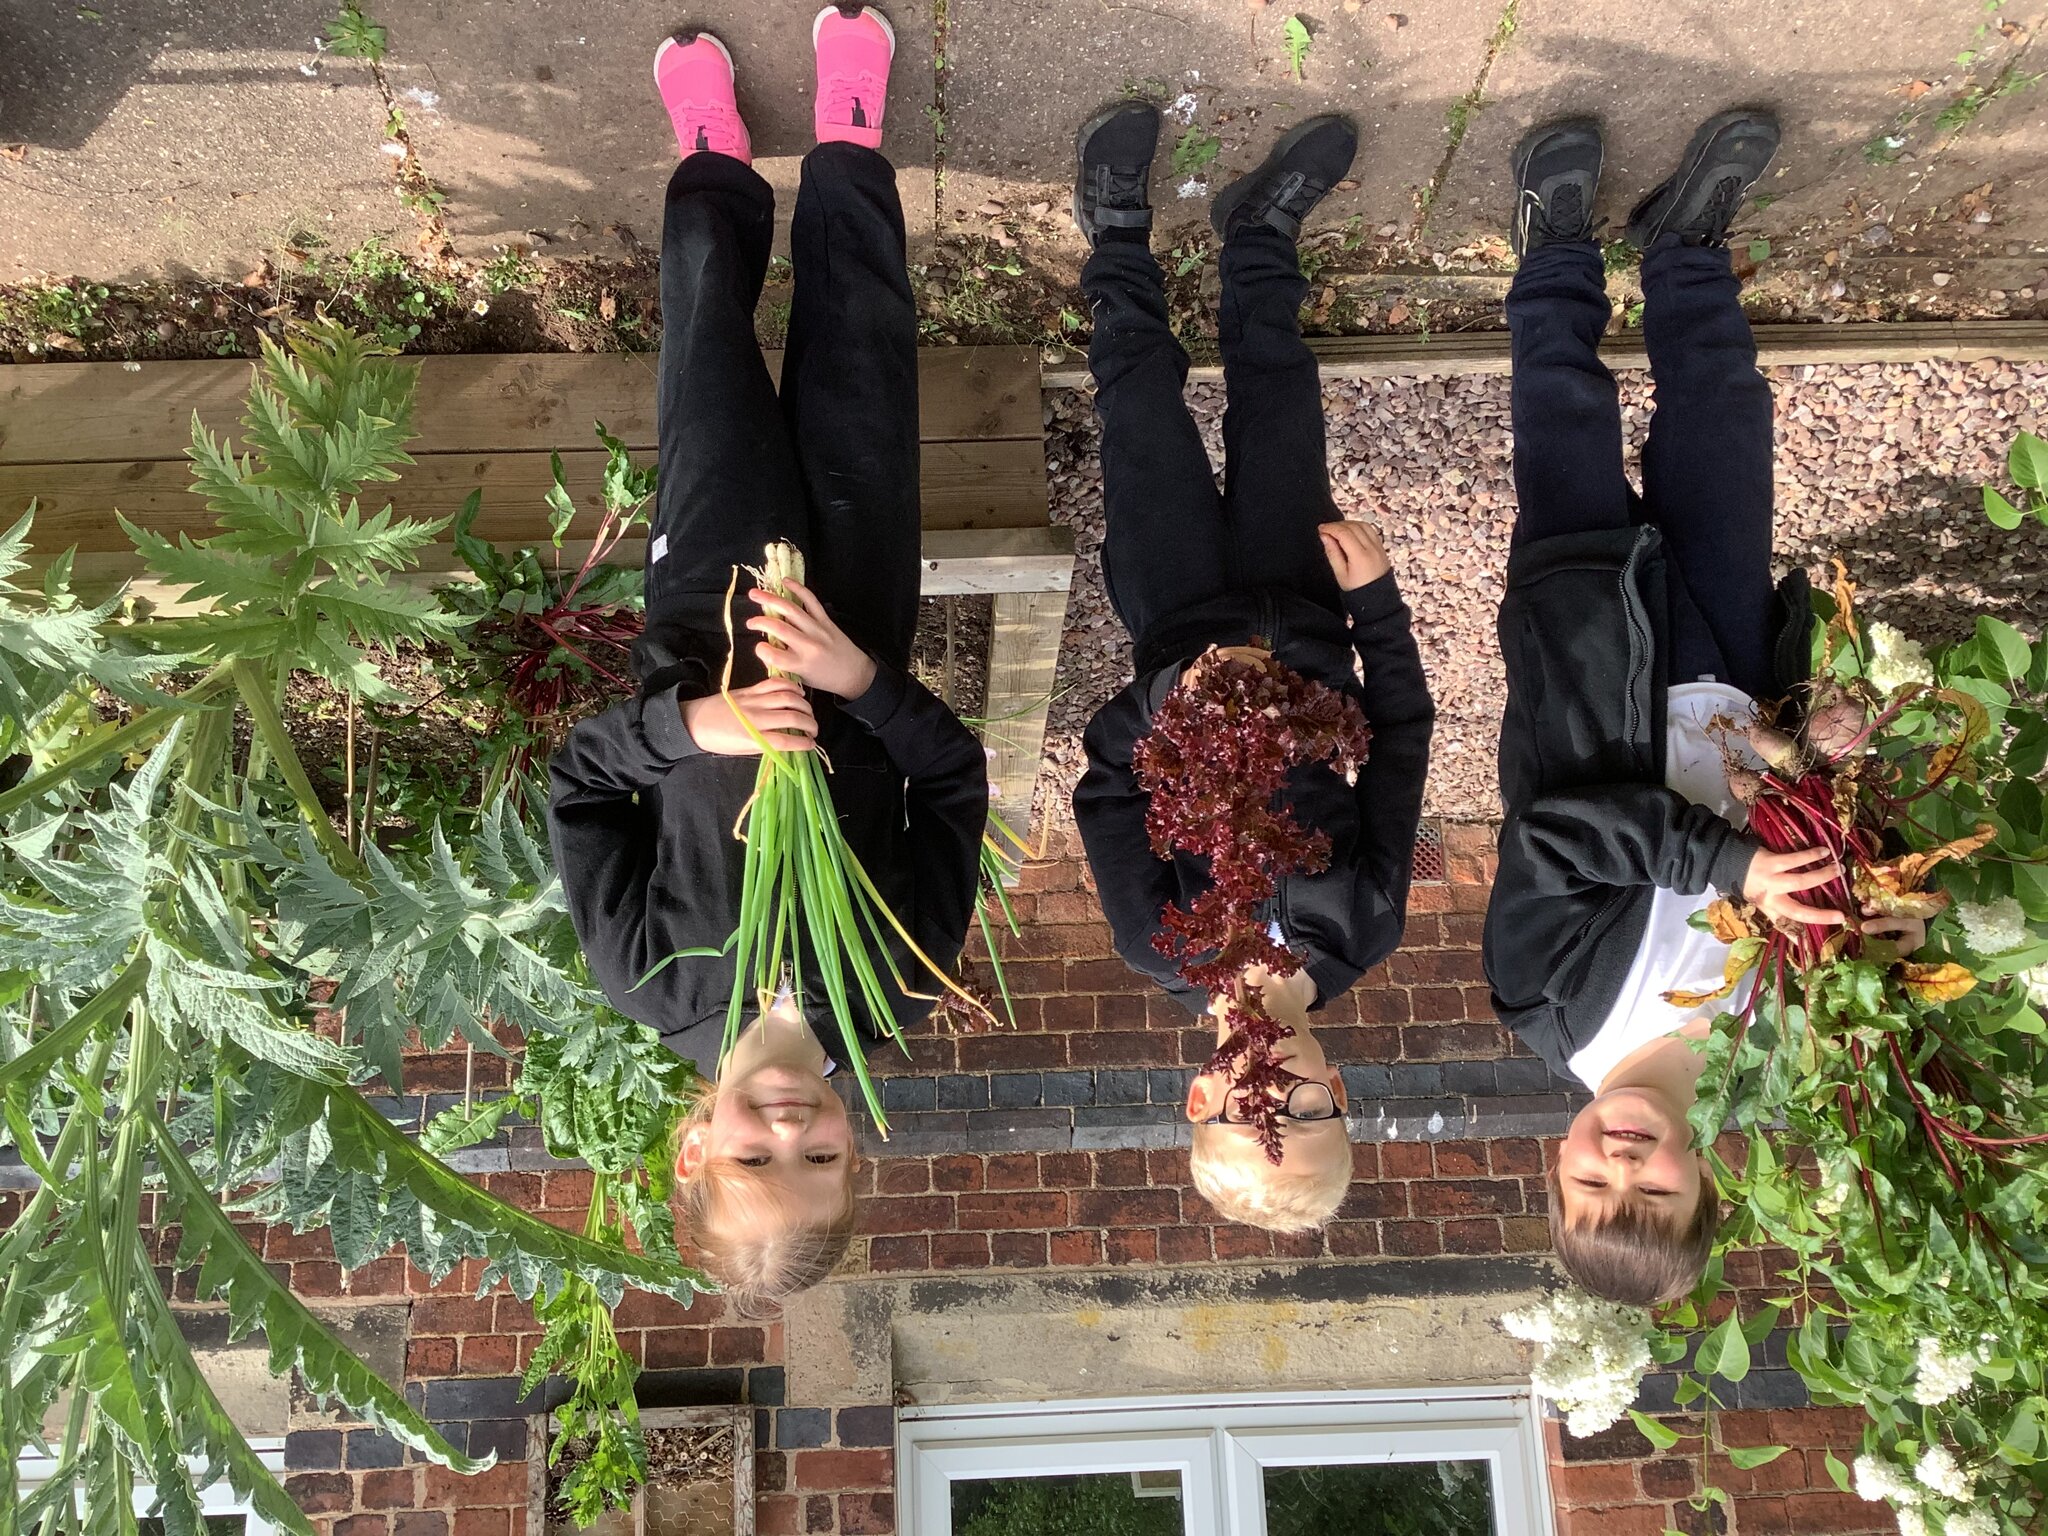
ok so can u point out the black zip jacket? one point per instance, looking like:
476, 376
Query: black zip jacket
642, 826
1346, 919
1591, 830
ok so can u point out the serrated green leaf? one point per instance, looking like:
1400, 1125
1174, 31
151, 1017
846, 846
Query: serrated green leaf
1299, 41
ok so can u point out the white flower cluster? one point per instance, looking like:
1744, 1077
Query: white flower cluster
1591, 1356
1895, 662
1993, 927
1972, 1522
1942, 1375
1879, 1480
2036, 983
1938, 1473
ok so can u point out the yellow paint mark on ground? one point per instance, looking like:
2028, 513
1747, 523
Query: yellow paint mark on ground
1088, 1317
1273, 1353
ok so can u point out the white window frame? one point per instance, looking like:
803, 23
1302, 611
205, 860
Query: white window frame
220, 1499
1221, 1446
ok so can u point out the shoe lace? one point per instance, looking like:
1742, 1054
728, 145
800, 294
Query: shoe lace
712, 121
1117, 185
1564, 216
1720, 208
848, 95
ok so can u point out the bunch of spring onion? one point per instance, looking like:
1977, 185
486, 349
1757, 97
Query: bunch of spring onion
803, 891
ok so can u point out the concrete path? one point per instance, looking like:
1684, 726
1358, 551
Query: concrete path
195, 135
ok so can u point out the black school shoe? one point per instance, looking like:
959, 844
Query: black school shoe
1557, 171
1721, 164
1309, 160
1114, 149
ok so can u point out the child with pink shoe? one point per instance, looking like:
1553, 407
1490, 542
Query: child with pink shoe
645, 796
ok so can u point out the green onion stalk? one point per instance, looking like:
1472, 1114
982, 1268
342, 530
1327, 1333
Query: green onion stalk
800, 881
1003, 853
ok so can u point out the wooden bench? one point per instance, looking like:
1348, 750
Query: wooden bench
85, 439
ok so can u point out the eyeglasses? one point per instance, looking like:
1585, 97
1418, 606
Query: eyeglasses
1307, 1100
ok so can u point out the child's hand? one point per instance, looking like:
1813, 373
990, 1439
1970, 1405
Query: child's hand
1775, 879
776, 708
1357, 558
1906, 933
802, 638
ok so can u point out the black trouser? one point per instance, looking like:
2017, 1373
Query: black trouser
832, 465
1172, 540
1706, 461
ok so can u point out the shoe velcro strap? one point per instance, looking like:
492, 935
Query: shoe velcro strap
1124, 218
1285, 222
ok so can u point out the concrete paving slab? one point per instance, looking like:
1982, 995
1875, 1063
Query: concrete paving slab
1026, 73
542, 125
182, 137
1653, 69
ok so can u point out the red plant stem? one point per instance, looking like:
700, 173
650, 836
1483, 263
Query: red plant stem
1929, 1121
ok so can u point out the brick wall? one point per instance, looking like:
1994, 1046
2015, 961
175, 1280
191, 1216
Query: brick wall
1060, 1144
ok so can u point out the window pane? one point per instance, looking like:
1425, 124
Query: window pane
1098, 1504
1401, 1498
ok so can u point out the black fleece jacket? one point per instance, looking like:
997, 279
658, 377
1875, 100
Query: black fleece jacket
1591, 830
1346, 919
642, 826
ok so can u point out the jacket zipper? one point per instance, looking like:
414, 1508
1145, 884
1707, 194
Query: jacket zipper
1638, 647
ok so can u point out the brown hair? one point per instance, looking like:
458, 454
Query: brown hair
748, 1235
1262, 1194
1632, 1256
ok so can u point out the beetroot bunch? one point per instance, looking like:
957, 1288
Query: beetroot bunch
1218, 755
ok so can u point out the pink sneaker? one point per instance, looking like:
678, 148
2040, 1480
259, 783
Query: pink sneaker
854, 48
695, 80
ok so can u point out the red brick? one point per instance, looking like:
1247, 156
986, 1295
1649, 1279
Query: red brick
1460, 1159
907, 1213
503, 1484
284, 1243
779, 1514
429, 1357
1524, 1234
1075, 1247
1819, 1427
959, 1250
1384, 1006
1013, 1212
1241, 1242
1834, 1514
1012, 1170
420, 1522
1353, 1239
1406, 1160
309, 1277
1064, 1170
1123, 1169
1017, 1250
1036, 978
511, 1315
670, 1349
831, 1470
1068, 906
1428, 898
1049, 875
1099, 976
1012, 1053
899, 1253
566, 1189
867, 1514
1185, 1245
1124, 1012
903, 1176
1374, 1199
643, 1309
516, 1188
363, 1525
1467, 1197
1518, 1156
1411, 966
455, 1314
1136, 1246
490, 1354
321, 1493
820, 1513
958, 1173
1604, 1482
1454, 1041
1473, 1234
1126, 1208
1617, 1520
737, 1346
1410, 1239
1133, 1048
1067, 1014
390, 1488
482, 1522
1298, 1245
1668, 1477
1167, 1167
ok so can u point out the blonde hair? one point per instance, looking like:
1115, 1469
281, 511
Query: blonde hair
1264, 1194
748, 1232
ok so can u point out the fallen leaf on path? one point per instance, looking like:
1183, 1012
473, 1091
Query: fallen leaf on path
1913, 90
15, 152
607, 306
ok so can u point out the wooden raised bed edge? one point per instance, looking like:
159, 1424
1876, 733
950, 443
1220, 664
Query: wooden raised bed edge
738, 1417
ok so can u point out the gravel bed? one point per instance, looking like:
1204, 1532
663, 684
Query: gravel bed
1879, 464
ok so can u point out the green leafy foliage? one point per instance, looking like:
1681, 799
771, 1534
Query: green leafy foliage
353, 35
1299, 41
174, 898
1195, 151
2027, 464
1891, 1110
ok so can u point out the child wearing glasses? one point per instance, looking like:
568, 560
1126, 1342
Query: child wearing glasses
1266, 563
